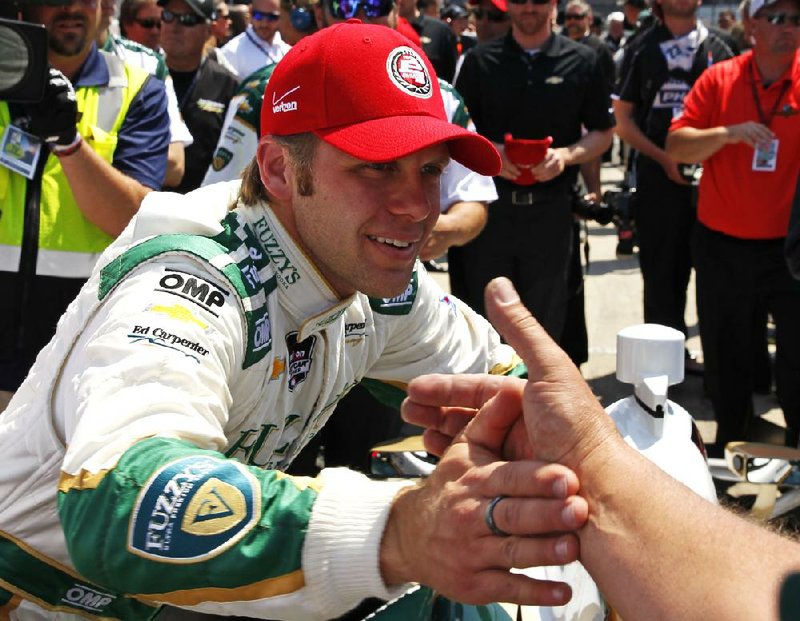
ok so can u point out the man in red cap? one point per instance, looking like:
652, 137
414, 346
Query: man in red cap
216, 337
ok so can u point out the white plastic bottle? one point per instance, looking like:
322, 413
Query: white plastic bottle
650, 356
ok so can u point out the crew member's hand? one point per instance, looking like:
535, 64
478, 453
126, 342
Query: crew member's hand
564, 419
563, 422
670, 167
437, 532
751, 133
551, 166
509, 170
54, 119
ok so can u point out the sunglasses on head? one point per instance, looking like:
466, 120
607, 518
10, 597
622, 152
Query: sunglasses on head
493, 15
184, 19
526, 1
270, 17
574, 15
779, 19
347, 9
149, 23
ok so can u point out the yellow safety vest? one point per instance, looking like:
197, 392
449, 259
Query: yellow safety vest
68, 243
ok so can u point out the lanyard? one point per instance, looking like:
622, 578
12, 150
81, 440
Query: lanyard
765, 120
258, 45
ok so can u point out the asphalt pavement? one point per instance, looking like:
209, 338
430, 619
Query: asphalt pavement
613, 288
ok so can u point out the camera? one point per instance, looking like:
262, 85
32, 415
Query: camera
598, 211
620, 202
23, 63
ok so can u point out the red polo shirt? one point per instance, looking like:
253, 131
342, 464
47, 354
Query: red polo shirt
735, 199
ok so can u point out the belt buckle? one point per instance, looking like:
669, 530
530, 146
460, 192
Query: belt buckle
521, 197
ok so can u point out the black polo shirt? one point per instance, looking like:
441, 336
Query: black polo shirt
654, 90
203, 97
438, 43
554, 92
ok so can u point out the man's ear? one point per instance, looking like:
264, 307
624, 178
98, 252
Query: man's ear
276, 174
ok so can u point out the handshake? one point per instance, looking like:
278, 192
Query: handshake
514, 456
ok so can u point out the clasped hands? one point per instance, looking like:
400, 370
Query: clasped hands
505, 492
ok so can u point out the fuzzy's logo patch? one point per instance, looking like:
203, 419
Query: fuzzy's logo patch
194, 508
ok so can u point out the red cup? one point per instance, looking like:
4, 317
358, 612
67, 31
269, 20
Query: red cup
525, 152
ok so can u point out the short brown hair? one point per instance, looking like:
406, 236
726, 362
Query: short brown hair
301, 149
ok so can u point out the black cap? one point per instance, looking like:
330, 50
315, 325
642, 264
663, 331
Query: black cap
204, 8
454, 11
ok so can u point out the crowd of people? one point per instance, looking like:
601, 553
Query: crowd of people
216, 234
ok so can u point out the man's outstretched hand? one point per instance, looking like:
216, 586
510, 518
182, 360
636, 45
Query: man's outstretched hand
437, 533
563, 421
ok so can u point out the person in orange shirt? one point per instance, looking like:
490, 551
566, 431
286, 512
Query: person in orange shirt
742, 119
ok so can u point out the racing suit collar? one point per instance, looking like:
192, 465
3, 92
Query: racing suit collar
314, 305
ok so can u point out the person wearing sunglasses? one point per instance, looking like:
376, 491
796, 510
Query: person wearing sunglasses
102, 135
154, 63
742, 119
140, 21
203, 85
656, 72
491, 19
260, 44
533, 83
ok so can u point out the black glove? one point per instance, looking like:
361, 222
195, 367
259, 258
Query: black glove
54, 119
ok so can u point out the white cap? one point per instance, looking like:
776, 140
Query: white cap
650, 356
616, 16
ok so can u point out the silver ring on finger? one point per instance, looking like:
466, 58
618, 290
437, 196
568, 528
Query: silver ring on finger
489, 518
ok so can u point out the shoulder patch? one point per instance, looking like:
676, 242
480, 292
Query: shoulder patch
234, 254
398, 305
194, 508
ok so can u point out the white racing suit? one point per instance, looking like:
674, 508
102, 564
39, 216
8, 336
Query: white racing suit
142, 456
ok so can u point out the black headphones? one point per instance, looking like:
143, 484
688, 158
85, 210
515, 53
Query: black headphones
302, 18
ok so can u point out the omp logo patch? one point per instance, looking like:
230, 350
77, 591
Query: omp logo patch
222, 157
87, 598
398, 305
177, 312
408, 72
262, 336
194, 508
190, 287
300, 358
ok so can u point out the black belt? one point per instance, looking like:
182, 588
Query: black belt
532, 194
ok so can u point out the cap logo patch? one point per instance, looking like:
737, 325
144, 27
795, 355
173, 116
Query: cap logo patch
408, 72
279, 105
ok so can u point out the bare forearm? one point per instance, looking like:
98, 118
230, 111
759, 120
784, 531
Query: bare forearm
696, 145
674, 542
176, 164
589, 147
107, 197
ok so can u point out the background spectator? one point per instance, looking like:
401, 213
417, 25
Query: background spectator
203, 86
260, 44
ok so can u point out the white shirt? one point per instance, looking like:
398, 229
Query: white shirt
247, 52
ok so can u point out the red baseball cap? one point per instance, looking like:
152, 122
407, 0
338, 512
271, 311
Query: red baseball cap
370, 92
